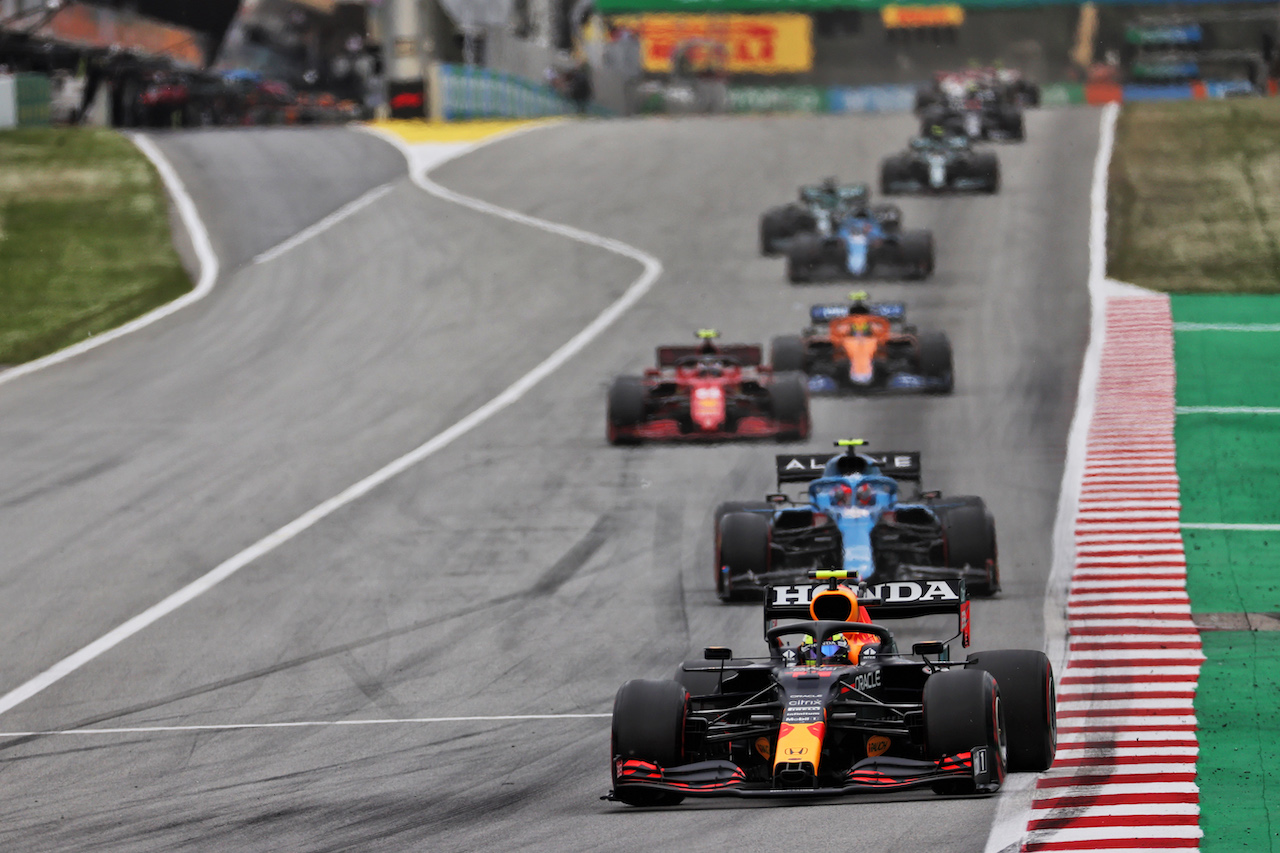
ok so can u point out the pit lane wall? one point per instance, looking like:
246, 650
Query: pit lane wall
25, 100
467, 92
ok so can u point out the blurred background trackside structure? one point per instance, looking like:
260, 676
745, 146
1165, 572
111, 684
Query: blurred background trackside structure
233, 62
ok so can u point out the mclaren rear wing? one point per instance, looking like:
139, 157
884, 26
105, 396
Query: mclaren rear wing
827, 313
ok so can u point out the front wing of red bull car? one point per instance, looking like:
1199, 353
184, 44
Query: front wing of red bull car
787, 725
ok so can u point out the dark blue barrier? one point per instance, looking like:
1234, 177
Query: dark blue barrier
1172, 92
871, 99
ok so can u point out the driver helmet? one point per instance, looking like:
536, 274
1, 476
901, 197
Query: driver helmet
710, 367
847, 465
841, 494
858, 303
833, 651
865, 494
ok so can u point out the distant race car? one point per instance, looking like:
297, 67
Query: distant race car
852, 241
708, 391
837, 708
979, 116
819, 204
866, 346
939, 164
1006, 85
853, 517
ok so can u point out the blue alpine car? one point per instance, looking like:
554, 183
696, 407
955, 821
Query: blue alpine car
860, 512
853, 243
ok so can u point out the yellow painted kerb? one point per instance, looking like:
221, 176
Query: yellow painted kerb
414, 131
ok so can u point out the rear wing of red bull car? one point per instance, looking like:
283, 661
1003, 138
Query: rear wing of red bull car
891, 600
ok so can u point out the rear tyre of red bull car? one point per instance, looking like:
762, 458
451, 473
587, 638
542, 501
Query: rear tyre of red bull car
648, 725
963, 715
626, 409
1029, 695
743, 549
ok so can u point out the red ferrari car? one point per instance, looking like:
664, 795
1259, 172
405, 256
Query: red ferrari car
708, 392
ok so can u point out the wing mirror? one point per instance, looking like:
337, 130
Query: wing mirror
717, 653
931, 647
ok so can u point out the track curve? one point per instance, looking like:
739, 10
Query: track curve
530, 569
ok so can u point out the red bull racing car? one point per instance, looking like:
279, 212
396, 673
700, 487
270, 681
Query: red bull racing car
710, 392
836, 707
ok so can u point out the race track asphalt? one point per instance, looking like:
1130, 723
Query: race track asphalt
529, 568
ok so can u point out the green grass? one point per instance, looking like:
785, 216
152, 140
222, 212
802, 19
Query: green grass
1194, 196
84, 238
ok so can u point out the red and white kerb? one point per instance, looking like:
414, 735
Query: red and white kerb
1125, 774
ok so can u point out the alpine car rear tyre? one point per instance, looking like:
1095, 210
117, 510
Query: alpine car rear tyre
648, 725
789, 399
744, 549
787, 353
626, 409
721, 511
962, 711
969, 532
935, 359
917, 253
1027, 692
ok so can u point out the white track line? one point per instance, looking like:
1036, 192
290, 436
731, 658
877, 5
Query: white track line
325, 224
1014, 811
199, 242
1187, 525
1226, 327
638, 288
226, 727
1226, 410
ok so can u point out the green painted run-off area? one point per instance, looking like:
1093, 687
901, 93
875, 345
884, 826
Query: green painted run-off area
1229, 467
